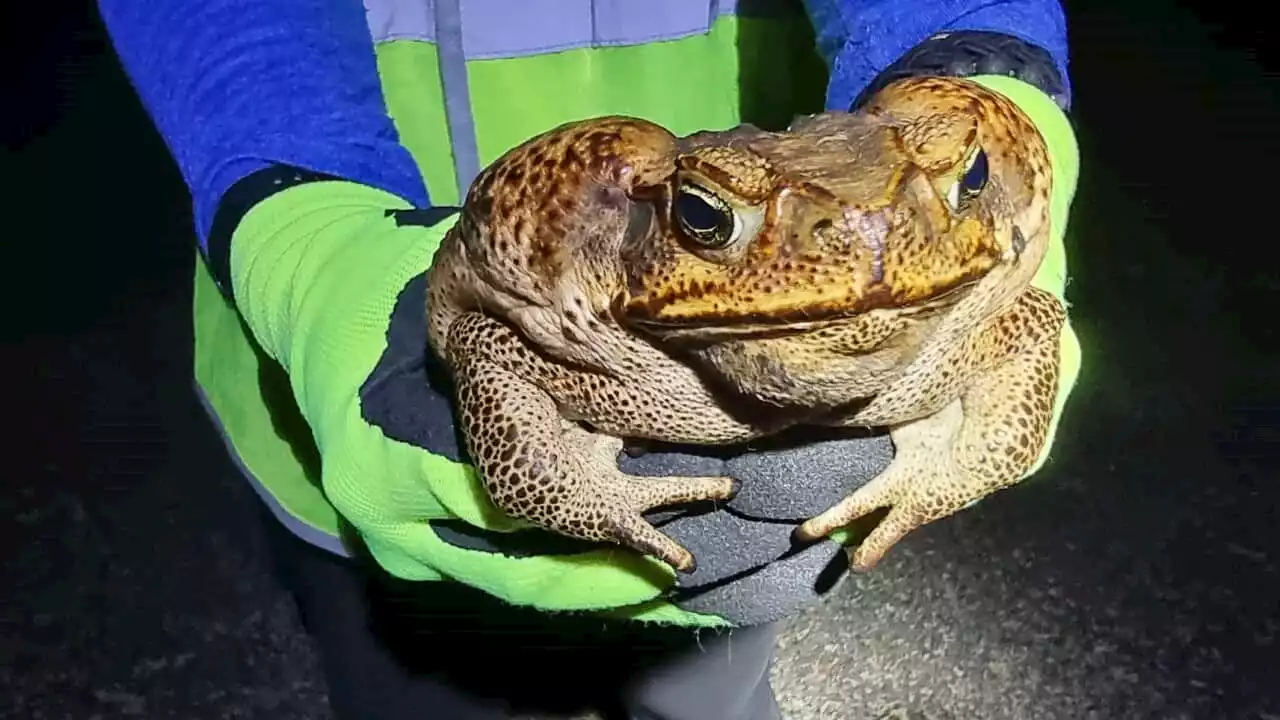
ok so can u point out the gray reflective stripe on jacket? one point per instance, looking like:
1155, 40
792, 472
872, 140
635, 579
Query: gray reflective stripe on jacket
465, 30
319, 538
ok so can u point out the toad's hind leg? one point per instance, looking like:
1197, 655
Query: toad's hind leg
538, 467
984, 441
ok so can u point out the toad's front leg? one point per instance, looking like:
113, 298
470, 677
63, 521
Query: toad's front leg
538, 467
985, 440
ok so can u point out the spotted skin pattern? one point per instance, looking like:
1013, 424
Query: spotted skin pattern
572, 310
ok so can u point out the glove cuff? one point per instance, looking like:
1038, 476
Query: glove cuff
238, 200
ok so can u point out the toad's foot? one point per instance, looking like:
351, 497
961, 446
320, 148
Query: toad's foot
551, 472
982, 442
621, 499
920, 485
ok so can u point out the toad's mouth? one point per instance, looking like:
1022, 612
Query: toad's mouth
711, 328
713, 334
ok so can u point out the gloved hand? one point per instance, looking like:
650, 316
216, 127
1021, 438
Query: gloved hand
329, 277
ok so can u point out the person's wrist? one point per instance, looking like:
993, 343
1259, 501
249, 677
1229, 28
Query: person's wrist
972, 53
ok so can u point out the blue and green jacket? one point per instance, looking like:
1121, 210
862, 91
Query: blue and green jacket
397, 104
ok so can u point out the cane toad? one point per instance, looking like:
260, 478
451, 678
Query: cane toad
866, 269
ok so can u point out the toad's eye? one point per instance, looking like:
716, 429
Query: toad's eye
971, 183
975, 178
705, 218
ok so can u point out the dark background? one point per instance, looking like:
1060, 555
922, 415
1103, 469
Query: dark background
132, 587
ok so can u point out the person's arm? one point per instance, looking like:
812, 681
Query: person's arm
864, 42
238, 86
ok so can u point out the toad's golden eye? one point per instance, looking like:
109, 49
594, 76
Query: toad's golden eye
971, 182
705, 218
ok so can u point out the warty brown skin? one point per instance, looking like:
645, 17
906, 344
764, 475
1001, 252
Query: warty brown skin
868, 269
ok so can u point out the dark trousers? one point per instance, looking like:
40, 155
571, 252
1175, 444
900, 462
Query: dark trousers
395, 650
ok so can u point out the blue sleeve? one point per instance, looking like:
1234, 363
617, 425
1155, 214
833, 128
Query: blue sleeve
860, 38
236, 85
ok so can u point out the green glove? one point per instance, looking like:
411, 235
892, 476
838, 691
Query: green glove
316, 271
